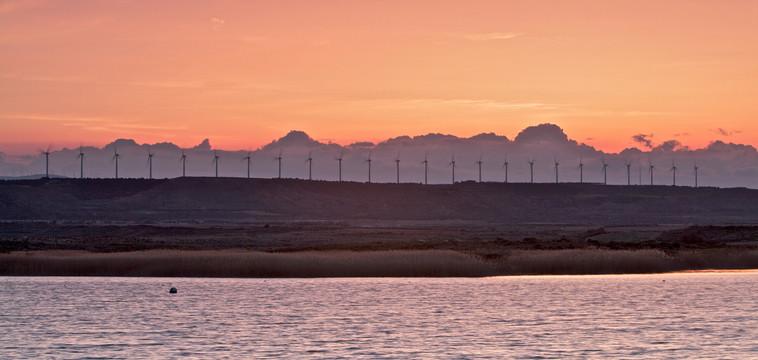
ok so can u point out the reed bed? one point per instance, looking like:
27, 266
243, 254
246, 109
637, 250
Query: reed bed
247, 264
602, 261
413, 263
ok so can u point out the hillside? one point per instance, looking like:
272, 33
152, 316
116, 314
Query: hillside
235, 200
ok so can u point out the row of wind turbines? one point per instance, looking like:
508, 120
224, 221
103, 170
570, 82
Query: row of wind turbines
368, 160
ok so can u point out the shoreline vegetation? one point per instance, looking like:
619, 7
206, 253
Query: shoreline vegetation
392, 263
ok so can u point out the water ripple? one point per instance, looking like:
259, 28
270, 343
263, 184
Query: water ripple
639, 316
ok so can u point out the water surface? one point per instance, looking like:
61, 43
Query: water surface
639, 316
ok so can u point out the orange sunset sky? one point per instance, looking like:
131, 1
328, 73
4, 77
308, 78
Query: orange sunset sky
244, 73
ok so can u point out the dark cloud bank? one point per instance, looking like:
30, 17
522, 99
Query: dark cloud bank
719, 164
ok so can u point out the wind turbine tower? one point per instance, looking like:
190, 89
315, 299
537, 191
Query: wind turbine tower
652, 167
116, 155
184, 163
279, 158
531, 171
452, 163
215, 161
426, 169
369, 167
249, 162
505, 165
81, 162
479, 162
673, 170
47, 160
581, 170
339, 160
150, 164
397, 165
556, 170
696, 173
605, 173
310, 165
628, 173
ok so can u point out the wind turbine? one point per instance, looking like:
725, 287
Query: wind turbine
531, 171
556, 170
310, 165
652, 167
397, 165
249, 162
505, 165
116, 155
339, 160
279, 158
673, 170
369, 167
47, 160
452, 163
628, 172
150, 163
581, 170
215, 160
184, 163
426, 168
479, 162
81, 162
696, 173
605, 172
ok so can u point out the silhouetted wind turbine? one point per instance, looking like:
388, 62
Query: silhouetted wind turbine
249, 162
505, 165
339, 160
150, 163
369, 167
696, 173
673, 170
397, 165
479, 162
310, 165
279, 158
531, 171
605, 172
47, 160
184, 163
215, 160
426, 168
581, 170
556, 170
452, 163
116, 155
628, 172
81, 162
651, 172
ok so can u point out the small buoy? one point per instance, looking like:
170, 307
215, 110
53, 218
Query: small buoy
172, 291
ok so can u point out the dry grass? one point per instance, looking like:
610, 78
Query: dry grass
226, 263
431, 263
600, 261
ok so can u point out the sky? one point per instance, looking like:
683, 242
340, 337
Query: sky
245, 73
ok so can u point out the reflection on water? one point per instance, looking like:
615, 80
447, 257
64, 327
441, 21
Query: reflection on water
685, 316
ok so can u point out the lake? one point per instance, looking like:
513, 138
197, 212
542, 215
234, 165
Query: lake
704, 315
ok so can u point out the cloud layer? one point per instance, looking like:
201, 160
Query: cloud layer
719, 164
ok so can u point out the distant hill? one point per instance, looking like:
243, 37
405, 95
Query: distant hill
252, 200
